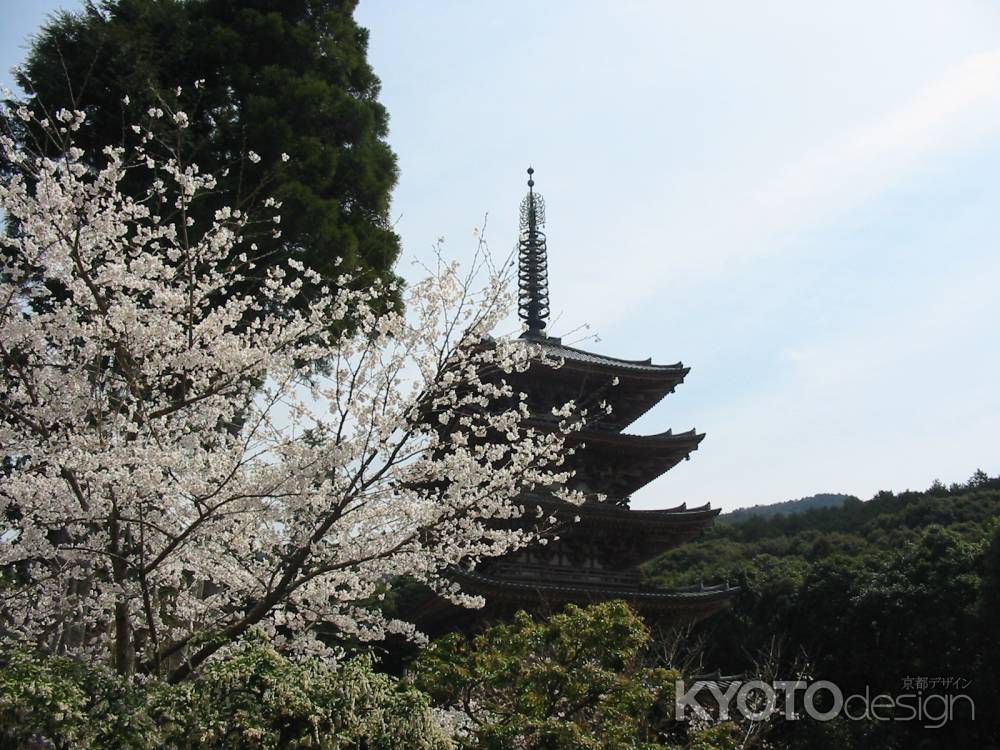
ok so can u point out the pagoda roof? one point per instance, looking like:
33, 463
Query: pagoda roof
618, 463
631, 387
699, 596
668, 438
650, 532
555, 348
608, 513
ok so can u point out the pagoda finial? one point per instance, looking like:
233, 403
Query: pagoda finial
533, 265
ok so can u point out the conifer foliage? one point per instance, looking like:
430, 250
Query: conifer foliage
272, 79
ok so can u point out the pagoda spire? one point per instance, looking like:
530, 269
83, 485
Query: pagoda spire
533, 265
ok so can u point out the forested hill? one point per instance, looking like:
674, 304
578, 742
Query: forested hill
822, 500
882, 525
866, 594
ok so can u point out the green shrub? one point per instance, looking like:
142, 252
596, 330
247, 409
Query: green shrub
580, 679
253, 697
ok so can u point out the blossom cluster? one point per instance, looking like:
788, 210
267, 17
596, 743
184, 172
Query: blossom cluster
187, 456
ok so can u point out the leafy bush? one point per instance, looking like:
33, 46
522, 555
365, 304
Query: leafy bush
69, 704
579, 679
253, 697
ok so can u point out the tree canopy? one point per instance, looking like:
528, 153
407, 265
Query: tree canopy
870, 595
258, 80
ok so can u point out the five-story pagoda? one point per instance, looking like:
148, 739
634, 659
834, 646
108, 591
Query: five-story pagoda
602, 542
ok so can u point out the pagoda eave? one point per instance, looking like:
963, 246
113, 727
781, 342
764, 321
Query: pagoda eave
630, 387
619, 464
554, 347
605, 513
692, 602
668, 440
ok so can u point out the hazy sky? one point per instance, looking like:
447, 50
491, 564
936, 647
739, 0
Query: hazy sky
800, 200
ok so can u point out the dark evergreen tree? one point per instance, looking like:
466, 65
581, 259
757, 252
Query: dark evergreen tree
273, 77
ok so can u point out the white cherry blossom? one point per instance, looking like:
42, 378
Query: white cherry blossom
183, 461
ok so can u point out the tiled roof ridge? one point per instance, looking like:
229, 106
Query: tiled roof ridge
555, 347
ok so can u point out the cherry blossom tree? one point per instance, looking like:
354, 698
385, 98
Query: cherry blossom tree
182, 463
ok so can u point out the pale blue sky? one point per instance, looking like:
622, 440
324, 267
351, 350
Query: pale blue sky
797, 199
